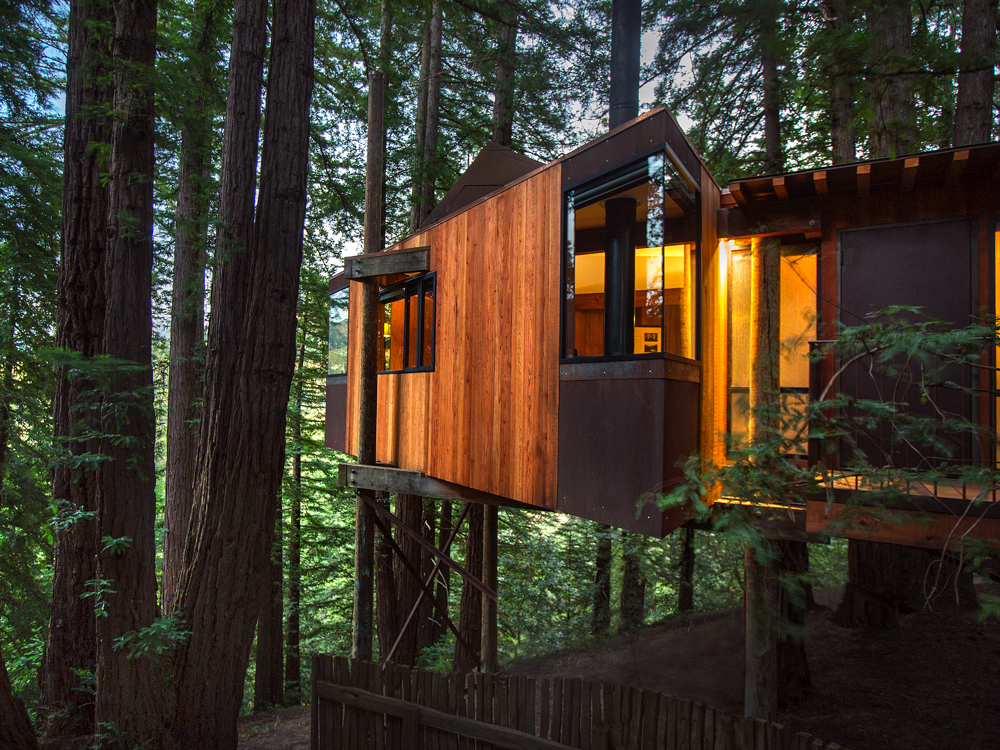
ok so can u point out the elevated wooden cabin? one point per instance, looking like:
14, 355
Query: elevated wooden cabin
563, 335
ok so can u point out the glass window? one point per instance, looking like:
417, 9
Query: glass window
407, 323
797, 327
630, 266
340, 302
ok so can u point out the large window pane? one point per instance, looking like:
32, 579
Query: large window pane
630, 264
407, 321
339, 305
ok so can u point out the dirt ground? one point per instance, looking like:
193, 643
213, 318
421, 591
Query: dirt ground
932, 683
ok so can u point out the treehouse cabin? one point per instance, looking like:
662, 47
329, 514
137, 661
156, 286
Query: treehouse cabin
562, 336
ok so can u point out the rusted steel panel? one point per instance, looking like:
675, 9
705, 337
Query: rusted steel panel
336, 413
925, 264
611, 450
681, 435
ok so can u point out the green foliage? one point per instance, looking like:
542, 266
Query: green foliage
154, 640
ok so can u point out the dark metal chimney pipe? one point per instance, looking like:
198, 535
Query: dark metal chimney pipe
626, 30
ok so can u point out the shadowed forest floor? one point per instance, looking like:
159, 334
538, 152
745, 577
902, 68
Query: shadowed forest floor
934, 682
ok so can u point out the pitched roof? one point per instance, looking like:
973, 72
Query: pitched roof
494, 167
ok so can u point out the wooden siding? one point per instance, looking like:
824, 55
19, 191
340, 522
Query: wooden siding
486, 417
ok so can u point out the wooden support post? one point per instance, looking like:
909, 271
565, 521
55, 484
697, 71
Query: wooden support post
364, 532
760, 696
489, 628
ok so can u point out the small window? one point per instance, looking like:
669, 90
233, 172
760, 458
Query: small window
630, 263
407, 316
340, 302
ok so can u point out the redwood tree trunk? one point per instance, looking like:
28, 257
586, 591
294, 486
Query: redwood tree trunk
773, 157
842, 140
80, 329
601, 621
251, 357
409, 509
892, 128
16, 732
417, 213
503, 94
633, 601
268, 683
974, 109
428, 175
470, 606
188, 307
442, 584
129, 697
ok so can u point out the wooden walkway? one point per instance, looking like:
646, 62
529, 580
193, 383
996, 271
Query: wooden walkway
363, 706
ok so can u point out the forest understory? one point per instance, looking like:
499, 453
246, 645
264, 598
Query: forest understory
930, 683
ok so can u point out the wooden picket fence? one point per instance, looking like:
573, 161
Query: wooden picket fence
361, 706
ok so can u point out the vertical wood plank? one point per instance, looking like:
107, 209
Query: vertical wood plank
586, 721
650, 703
543, 708
802, 741
724, 736
661, 721
617, 730
314, 676
760, 734
574, 712
501, 715
697, 724
531, 711
673, 716
683, 724
555, 734
489, 688
708, 737
634, 718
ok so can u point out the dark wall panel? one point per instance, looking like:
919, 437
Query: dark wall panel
926, 264
336, 413
611, 450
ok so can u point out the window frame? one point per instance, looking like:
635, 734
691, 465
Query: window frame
407, 289
609, 175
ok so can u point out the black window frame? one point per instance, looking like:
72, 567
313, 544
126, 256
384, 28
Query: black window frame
616, 177
408, 289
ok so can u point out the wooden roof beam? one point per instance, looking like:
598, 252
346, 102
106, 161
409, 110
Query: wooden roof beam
910, 167
958, 161
864, 172
778, 185
736, 190
819, 182
373, 265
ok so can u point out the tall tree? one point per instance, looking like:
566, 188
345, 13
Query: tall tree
70, 649
890, 96
835, 56
128, 699
601, 621
269, 677
188, 297
16, 732
251, 357
976, 79
770, 58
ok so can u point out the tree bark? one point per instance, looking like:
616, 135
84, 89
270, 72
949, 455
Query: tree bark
16, 732
760, 614
268, 683
886, 580
387, 617
251, 358
842, 139
892, 124
471, 604
793, 667
974, 109
80, 315
129, 698
774, 159
293, 668
488, 647
429, 173
409, 508
633, 600
503, 94
187, 311
426, 627
601, 620
442, 585
419, 167
685, 590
